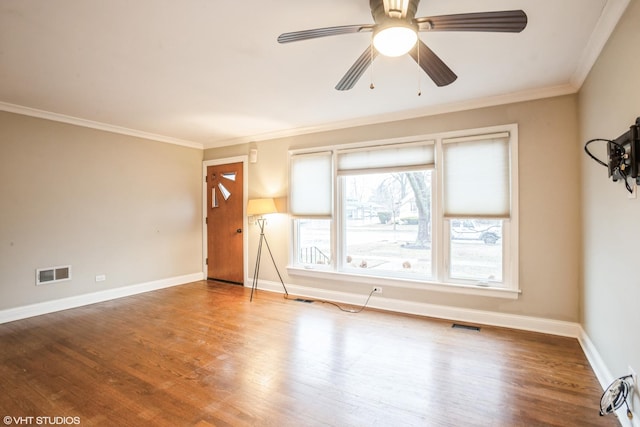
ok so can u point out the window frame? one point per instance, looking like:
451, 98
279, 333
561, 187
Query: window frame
440, 280
341, 214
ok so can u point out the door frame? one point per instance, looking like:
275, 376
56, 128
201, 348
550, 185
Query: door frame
245, 221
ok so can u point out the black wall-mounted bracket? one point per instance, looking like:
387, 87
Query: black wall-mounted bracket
624, 154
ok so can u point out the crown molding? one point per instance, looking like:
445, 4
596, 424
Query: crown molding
511, 98
611, 14
41, 114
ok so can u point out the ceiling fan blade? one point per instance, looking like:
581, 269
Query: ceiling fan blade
506, 21
323, 32
435, 68
357, 69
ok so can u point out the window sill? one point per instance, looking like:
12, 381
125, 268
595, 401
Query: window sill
455, 288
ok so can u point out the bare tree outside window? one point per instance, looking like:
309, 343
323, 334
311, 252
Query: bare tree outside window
387, 223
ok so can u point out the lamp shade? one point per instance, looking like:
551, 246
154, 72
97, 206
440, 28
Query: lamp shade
261, 207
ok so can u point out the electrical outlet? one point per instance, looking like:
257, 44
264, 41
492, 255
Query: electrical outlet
634, 380
101, 277
377, 289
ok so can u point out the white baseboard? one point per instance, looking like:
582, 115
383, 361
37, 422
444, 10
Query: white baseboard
17, 313
606, 378
514, 321
597, 364
527, 323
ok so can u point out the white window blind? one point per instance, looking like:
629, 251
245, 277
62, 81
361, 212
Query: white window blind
310, 185
398, 156
477, 176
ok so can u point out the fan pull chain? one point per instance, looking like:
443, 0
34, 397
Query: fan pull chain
371, 86
419, 71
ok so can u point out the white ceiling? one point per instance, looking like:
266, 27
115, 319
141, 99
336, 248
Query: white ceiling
209, 73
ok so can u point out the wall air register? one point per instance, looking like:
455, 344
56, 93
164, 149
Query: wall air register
466, 327
623, 156
44, 276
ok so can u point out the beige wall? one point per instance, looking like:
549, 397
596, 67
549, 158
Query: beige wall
609, 103
104, 203
549, 202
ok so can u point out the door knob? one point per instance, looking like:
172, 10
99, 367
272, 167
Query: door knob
239, 230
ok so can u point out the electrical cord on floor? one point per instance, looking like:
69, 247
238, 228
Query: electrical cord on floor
347, 310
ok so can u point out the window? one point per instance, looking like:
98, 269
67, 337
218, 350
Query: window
311, 185
476, 250
477, 201
313, 242
438, 211
387, 226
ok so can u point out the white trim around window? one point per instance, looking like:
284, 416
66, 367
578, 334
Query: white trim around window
504, 284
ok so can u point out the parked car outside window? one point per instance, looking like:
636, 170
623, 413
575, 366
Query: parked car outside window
489, 231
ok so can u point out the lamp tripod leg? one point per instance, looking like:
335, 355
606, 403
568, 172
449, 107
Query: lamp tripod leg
276, 267
256, 271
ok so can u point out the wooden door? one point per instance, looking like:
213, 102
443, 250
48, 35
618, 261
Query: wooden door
225, 222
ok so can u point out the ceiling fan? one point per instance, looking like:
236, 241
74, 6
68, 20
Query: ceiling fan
395, 33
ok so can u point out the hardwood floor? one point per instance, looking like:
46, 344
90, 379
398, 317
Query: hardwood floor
201, 354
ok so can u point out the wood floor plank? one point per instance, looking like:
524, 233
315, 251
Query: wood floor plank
202, 355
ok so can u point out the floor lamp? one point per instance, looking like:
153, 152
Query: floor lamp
260, 207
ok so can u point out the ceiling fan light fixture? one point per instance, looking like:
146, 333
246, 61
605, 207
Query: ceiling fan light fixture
395, 40
395, 33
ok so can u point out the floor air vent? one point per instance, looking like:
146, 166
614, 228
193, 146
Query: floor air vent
467, 327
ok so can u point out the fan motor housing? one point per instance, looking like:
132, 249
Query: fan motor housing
379, 15
389, 22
